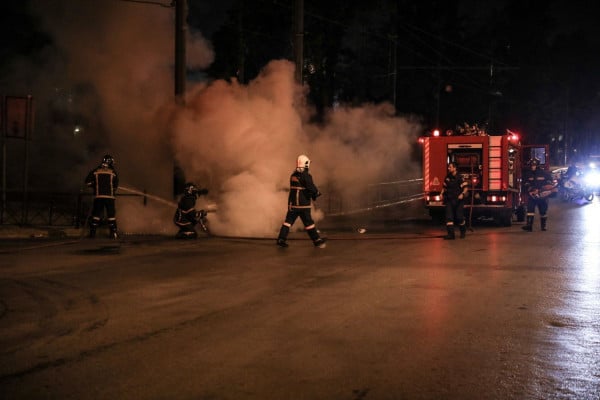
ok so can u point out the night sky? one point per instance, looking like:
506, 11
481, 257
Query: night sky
500, 63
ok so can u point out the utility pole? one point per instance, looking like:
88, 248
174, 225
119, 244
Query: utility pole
241, 70
180, 77
567, 157
180, 55
393, 65
299, 39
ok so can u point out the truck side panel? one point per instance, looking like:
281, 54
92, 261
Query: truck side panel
495, 171
434, 164
490, 162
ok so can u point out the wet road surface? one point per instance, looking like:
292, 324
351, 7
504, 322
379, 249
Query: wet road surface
394, 313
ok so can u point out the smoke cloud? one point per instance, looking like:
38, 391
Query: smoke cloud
113, 64
242, 141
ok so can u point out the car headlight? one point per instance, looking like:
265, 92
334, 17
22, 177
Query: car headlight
592, 179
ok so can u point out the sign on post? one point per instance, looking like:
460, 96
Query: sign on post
16, 121
17, 118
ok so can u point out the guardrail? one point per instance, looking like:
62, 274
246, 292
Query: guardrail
49, 208
72, 209
373, 197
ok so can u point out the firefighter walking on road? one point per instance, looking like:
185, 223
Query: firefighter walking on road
454, 193
104, 181
302, 191
534, 180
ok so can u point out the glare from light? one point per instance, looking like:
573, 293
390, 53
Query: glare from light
592, 178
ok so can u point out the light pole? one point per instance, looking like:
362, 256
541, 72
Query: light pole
180, 54
299, 39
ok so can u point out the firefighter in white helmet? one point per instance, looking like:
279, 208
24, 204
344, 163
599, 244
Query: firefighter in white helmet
302, 192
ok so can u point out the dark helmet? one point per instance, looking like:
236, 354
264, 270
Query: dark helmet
534, 161
108, 161
190, 188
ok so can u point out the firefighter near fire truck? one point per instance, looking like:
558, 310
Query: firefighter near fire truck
491, 164
538, 185
454, 193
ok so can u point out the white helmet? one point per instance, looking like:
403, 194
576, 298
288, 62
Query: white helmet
302, 162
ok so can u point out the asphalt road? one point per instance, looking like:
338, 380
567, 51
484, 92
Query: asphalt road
394, 313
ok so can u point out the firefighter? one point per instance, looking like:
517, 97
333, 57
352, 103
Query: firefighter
186, 217
302, 191
104, 181
454, 193
534, 179
572, 171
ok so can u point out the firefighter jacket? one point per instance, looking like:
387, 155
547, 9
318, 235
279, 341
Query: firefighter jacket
186, 213
104, 181
302, 190
534, 180
454, 185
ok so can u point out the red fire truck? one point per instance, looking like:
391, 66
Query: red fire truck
491, 164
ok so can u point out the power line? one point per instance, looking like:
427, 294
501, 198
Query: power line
155, 3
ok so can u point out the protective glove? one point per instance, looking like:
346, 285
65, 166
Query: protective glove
200, 214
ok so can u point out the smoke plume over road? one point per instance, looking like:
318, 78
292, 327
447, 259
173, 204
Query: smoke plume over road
115, 62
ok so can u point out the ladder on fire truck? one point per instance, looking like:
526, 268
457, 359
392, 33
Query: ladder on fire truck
495, 160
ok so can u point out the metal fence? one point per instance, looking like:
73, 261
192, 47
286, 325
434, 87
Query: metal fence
373, 197
48, 208
38, 208
72, 209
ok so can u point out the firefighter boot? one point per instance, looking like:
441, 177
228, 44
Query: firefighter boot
529, 226
543, 222
320, 243
317, 240
113, 229
94, 223
463, 230
281, 239
450, 235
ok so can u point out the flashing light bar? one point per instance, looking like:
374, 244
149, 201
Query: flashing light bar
512, 136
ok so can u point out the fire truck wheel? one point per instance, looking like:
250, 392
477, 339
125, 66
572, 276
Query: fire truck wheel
504, 219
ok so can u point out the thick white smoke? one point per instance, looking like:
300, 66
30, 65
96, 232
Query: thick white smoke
239, 141
242, 142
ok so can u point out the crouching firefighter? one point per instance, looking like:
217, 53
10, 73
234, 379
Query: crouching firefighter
104, 181
186, 217
302, 191
454, 193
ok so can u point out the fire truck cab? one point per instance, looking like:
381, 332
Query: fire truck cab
491, 164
